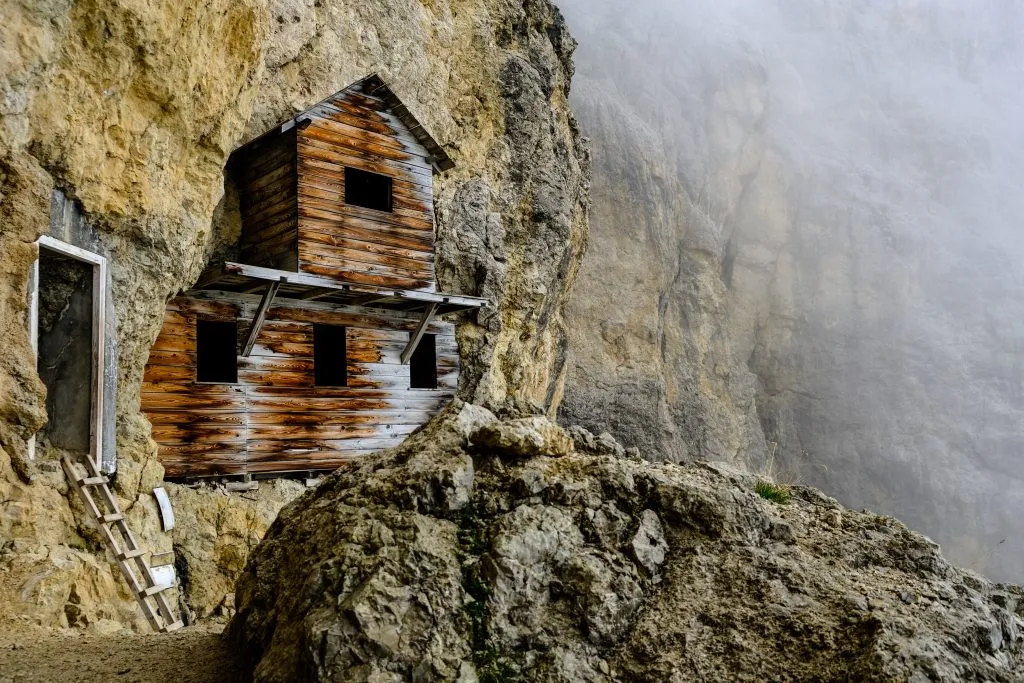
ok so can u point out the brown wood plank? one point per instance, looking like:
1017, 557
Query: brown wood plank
325, 137
153, 401
332, 187
344, 211
274, 378
284, 206
340, 221
271, 448
174, 344
380, 418
256, 202
204, 307
307, 404
181, 358
169, 373
266, 432
349, 273
423, 243
335, 122
196, 416
334, 195
355, 318
328, 172
364, 261
282, 172
199, 433
338, 158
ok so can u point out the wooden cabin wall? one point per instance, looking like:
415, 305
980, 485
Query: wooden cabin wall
274, 419
351, 243
266, 174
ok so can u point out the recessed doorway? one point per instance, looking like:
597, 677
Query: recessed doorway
66, 324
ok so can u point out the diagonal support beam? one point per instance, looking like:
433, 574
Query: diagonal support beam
260, 317
414, 340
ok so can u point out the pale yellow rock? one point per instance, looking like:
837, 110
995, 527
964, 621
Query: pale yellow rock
132, 108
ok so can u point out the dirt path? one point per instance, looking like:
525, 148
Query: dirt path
191, 655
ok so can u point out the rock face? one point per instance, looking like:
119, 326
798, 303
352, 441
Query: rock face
806, 250
446, 560
132, 110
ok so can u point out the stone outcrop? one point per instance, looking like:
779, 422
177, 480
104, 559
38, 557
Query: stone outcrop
444, 559
131, 111
215, 530
791, 268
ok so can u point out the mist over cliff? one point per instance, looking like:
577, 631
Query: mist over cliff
807, 219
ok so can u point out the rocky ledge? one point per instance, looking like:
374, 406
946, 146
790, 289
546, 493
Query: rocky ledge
489, 549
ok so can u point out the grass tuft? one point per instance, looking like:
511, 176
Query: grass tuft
777, 493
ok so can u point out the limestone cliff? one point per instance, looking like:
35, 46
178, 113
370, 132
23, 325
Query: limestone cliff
509, 550
808, 251
131, 109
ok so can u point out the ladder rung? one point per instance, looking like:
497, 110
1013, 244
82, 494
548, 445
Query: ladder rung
129, 554
173, 627
92, 481
153, 590
114, 517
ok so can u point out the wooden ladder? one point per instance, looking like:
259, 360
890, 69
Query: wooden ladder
122, 544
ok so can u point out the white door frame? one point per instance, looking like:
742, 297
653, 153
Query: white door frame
99, 311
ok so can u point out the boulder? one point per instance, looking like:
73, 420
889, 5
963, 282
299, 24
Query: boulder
523, 437
449, 559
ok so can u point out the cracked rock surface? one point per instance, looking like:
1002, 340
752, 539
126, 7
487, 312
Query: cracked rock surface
445, 559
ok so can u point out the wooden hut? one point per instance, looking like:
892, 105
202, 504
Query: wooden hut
324, 341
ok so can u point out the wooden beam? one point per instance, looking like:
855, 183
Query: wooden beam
318, 294
323, 282
414, 340
261, 315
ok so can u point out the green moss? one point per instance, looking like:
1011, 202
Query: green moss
776, 493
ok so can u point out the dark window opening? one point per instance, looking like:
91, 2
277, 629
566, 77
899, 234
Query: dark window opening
330, 358
423, 364
216, 352
368, 190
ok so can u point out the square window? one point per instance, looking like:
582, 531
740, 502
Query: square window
368, 190
330, 357
216, 351
423, 364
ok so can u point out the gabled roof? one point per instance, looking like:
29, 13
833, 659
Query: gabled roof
374, 86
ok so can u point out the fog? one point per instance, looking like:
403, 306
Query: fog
857, 167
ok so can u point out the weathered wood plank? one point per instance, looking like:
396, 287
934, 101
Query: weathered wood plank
179, 358
324, 137
169, 373
336, 160
330, 229
311, 187
379, 418
332, 183
267, 448
153, 401
291, 403
337, 123
196, 416
204, 307
266, 432
363, 261
345, 242
199, 433
360, 278
345, 211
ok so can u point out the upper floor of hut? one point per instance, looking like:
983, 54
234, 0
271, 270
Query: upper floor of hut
343, 191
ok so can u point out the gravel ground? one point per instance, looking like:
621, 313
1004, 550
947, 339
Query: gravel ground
191, 655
